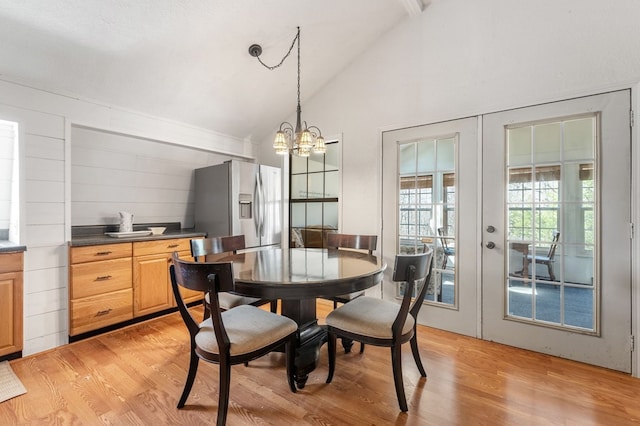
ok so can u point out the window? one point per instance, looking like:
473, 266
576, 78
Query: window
427, 209
9, 173
314, 190
551, 201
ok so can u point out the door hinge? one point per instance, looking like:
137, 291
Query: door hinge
631, 231
631, 119
632, 342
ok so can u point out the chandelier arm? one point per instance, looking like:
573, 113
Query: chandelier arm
317, 128
273, 67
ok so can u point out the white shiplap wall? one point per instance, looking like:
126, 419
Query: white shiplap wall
48, 123
153, 180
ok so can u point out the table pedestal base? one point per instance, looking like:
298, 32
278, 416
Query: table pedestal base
311, 336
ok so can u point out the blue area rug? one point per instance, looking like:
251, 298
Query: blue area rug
578, 302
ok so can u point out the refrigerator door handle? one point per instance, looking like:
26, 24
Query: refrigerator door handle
261, 205
256, 205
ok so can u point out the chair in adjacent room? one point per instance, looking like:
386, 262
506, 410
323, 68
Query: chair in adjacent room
383, 323
234, 336
206, 249
448, 252
548, 258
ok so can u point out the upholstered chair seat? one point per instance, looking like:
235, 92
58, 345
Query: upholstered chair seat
248, 328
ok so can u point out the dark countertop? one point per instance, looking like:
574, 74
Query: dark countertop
95, 235
8, 247
92, 240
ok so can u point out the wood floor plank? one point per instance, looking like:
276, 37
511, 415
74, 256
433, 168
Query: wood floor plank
135, 375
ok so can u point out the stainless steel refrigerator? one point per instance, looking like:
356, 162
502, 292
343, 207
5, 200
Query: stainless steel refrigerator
237, 197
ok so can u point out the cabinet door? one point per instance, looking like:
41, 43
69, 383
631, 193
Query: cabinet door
10, 312
151, 289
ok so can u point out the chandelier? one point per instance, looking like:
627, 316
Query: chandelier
300, 140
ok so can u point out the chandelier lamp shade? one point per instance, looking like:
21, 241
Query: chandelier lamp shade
302, 139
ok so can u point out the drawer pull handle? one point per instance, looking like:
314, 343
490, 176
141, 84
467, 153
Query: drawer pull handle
172, 246
105, 312
103, 278
104, 253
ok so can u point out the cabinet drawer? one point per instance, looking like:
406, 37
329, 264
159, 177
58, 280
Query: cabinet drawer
99, 252
91, 313
144, 248
88, 279
11, 262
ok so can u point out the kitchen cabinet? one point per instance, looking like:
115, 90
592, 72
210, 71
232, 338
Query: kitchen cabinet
151, 281
114, 283
11, 272
100, 286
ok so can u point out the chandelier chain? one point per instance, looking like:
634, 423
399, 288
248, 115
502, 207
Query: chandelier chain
273, 67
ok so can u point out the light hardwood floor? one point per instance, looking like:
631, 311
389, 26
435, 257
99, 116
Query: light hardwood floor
135, 376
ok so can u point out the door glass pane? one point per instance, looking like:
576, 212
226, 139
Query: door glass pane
578, 137
331, 184
298, 214
299, 186
314, 197
427, 210
316, 185
552, 216
546, 142
331, 157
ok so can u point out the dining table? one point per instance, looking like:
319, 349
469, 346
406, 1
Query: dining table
297, 277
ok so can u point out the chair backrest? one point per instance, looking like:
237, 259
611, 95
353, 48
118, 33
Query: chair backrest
216, 245
443, 240
351, 241
211, 277
411, 268
554, 244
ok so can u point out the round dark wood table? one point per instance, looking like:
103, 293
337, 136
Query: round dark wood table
297, 276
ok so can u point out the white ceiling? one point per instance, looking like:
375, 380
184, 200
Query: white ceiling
188, 60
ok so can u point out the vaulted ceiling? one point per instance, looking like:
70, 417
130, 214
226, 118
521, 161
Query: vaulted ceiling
188, 60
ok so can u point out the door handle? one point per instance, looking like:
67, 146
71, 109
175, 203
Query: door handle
491, 229
491, 245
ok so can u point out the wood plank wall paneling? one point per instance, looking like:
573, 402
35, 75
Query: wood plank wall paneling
43, 118
112, 172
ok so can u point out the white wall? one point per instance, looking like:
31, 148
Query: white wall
45, 122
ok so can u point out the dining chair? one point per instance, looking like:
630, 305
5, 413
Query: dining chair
355, 242
548, 258
227, 337
383, 323
366, 243
207, 249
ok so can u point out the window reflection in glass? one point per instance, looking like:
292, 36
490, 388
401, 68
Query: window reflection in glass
550, 200
427, 209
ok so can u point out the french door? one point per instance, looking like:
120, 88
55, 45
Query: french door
556, 257
529, 222
430, 199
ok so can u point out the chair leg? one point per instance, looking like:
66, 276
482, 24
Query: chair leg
416, 354
290, 350
335, 305
396, 361
191, 375
274, 306
223, 392
331, 349
552, 276
361, 347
